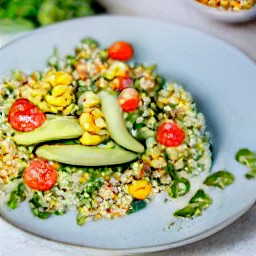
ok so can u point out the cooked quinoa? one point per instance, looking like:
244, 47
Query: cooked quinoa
68, 87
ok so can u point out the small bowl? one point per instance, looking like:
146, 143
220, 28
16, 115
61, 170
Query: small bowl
224, 15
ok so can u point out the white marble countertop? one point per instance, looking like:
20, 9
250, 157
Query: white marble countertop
237, 239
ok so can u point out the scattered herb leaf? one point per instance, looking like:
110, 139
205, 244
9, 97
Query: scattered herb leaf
179, 187
17, 196
248, 158
136, 205
199, 202
220, 179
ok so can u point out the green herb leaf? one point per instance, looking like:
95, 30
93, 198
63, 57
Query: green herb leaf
17, 196
189, 211
179, 188
80, 218
199, 202
92, 43
41, 215
202, 199
220, 179
36, 207
136, 205
251, 174
246, 157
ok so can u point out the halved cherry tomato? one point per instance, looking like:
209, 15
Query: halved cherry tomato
129, 99
120, 51
40, 175
170, 134
24, 116
120, 83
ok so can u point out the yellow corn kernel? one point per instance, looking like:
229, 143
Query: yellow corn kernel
61, 89
58, 78
56, 165
87, 122
100, 123
88, 100
91, 139
45, 107
117, 68
69, 109
102, 83
40, 85
140, 189
84, 178
62, 78
97, 113
62, 101
224, 3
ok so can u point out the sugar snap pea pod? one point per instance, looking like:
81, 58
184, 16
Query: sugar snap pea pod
85, 155
116, 124
57, 128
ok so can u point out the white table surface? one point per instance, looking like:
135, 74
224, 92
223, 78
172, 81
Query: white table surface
237, 239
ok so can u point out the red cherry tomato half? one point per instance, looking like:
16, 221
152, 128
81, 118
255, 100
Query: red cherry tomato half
40, 175
120, 51
122, 83
24, 116
129, 99
170, 134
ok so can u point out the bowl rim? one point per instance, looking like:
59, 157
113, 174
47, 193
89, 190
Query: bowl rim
225, 14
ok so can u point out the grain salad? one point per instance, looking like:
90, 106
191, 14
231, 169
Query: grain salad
97, 134
233, 5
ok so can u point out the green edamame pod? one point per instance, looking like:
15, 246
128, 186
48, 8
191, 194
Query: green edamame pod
85, 155
57, 128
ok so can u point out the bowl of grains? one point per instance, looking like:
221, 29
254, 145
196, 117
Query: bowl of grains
226, 10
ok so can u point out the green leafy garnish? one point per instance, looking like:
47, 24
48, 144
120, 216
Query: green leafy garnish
202, 199
199, 202
251, 174
17, 196
136, 205
179, 187
220, 179
191, 210
80, 218
36, 207
248, 158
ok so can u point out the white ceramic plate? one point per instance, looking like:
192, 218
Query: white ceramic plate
222, 82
